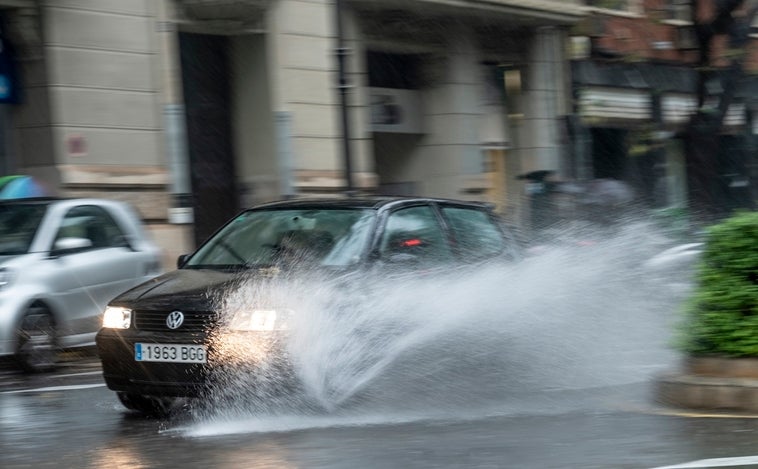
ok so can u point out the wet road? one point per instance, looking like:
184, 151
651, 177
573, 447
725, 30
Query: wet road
69, 419
561, 379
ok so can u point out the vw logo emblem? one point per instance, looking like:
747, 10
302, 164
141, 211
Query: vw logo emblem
175, 319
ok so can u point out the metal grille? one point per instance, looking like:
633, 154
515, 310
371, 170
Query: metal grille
155, 321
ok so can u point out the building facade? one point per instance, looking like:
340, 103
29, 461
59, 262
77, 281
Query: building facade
191, 109
87, 119
635, 87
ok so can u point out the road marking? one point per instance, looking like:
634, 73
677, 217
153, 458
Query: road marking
718, 462
686, 413
700, 415
55, 388
84, 373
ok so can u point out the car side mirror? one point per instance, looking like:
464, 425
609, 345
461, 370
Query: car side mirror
68, 245
181, 260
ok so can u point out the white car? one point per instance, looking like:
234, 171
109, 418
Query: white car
61, 262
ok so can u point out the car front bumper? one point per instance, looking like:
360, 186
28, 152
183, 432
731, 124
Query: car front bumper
237, 352
123, 373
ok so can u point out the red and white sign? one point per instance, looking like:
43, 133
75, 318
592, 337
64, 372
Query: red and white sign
76, 145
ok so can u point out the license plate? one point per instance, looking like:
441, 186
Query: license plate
169, 353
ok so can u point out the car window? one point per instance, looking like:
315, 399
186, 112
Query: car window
18, 225
92, 223
476, 234
414, 232
328, 237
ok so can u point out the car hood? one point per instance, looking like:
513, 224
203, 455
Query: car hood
183, 289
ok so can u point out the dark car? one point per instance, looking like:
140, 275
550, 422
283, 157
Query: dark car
156, 341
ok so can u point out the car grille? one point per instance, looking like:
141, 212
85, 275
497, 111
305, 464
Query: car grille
155, 321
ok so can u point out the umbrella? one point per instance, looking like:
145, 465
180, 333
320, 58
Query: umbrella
20, 187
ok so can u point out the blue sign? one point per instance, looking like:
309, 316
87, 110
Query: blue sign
9, 90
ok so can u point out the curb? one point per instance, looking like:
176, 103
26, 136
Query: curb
707, 392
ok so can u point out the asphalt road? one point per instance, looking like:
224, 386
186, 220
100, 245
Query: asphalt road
562, 378
68, 419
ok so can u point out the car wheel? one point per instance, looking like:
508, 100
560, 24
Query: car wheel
37, 351
150, 406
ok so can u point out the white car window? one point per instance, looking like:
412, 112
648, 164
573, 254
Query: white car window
92, 223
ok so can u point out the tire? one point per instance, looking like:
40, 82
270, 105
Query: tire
36, 351
156, 407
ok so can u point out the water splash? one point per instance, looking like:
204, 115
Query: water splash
586, 312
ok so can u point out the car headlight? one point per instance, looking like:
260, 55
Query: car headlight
117, 318
259, 320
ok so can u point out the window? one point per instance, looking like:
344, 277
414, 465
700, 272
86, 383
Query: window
476, 235
92, 223
18, 226
328, 237
416, 234
679, 10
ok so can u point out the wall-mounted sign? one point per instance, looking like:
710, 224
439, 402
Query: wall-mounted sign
9, 92
76, 145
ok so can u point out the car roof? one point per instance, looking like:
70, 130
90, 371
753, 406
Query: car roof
63, 203
366, 202
29, 201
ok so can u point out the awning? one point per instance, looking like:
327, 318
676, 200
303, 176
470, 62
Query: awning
626, 105
623, 106
678, 108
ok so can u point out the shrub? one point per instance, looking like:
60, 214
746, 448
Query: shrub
722, 314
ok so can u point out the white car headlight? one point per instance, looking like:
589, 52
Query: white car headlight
117, 318
258, 320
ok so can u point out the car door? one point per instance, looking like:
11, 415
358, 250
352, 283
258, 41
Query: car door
84, 278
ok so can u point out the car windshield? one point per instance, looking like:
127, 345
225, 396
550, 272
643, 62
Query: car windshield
18, 225
326, 237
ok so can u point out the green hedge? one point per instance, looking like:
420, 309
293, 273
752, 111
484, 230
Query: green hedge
722, 315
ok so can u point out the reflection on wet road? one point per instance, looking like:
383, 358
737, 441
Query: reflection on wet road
81, 424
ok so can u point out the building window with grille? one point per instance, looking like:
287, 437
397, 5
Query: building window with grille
679, 10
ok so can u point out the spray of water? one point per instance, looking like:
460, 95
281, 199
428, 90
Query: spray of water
586, 311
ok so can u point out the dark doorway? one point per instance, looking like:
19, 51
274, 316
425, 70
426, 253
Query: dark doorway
734, 180
609, 153
205, 76
387, 70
